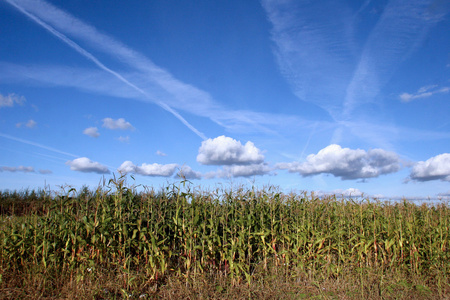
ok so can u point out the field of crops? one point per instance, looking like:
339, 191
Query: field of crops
182, 242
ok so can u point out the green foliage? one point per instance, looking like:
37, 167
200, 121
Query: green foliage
237, 233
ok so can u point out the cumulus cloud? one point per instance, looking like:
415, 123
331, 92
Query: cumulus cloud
45, 172
148, 169
447, 194
160, 153
29, 124
346, 163
227, 151
127, 167
243, 170
84, 164
117, 124
238, 160
17, 169
188, 173
350, 192
8, 101
424, 92
435, 168
156, 169
92, 132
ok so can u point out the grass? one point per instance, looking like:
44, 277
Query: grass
181, 242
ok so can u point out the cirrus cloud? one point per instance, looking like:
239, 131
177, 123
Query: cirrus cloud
346, 163
435, 168
227, 151
85, 165
424, 92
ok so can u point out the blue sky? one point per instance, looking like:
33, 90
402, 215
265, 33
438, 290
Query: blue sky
325, 96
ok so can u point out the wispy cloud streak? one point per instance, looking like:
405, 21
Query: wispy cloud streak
317, 49
27, 142
320, 53
93, 80
159, 85
6, 136
314, 48
92, 58
424, 92
398, 33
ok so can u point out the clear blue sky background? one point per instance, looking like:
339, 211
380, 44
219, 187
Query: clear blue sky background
325, 96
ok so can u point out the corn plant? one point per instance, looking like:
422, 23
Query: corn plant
237, 233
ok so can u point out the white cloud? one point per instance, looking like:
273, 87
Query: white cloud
238, 160
160, 153
84, 164
243, 171
17, 169
227, 151
99, 82
52, 19
156, 169
346, 163
92, 132
426, 88
127, 167
117, 124
405, 97
399, 31
312, 49
424, 92
435, 168
148, 169
317, 49
188, 173
350, 192
447, 194
8, 101
30, 124
146, 81
45, 172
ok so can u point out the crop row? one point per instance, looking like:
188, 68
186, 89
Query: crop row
236, 232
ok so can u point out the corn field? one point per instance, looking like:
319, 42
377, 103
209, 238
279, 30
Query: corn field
144, 238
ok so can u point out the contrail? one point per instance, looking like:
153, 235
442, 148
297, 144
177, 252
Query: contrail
313, 131
399, 32
44, 147
92, 58
36, 145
